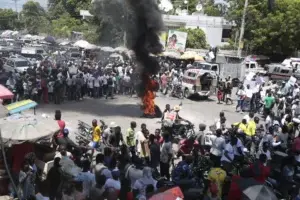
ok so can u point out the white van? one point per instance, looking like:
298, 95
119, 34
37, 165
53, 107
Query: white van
197, 81
279, 72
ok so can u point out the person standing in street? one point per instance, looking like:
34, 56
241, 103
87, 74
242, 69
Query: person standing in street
166, 155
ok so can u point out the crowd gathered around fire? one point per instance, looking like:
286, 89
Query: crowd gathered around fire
138, 164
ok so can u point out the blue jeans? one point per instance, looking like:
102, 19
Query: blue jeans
240, 104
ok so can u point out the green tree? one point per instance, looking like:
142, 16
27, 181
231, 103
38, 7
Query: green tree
34, 17
110, 27
196, 38
267, 31
211, 9
72, 7
65, 24
8, 19
185, 4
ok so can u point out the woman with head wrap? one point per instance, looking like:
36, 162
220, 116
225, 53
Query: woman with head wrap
140, 186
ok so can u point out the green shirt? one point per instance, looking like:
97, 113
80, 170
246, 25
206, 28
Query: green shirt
130, 135
269, 101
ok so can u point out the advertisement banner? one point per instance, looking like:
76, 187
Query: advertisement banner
176, 40
163, 39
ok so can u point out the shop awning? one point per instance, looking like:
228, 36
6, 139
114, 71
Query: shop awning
20, 106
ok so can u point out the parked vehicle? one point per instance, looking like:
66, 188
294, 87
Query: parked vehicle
197, 81
17, 63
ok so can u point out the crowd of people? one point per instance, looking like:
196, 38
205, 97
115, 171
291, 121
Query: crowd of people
68, 81
135, 164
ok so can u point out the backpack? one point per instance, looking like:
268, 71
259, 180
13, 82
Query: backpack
110, 81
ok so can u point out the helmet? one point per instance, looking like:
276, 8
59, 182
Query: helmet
66, 132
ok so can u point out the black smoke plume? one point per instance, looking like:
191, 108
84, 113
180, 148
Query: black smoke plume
145, 25
142, 22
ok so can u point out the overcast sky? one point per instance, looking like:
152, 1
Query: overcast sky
11, 3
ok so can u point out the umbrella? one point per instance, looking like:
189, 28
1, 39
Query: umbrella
171, 54
27, 127
254, 190
5, 93
171, 194
199, 58
107, 49
121, 49
49, 39
188, 55
258, 192
81, 43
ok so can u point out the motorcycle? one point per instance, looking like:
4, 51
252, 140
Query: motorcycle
177, 92
84, 134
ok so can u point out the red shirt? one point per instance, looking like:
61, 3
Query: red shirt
259, 172
296, 145
234, 192
186, 148
62, 126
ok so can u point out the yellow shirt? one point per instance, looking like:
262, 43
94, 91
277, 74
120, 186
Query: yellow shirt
241, 126
217, 176
251, 128
96, 134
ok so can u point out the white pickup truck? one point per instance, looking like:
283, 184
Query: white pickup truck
234, 70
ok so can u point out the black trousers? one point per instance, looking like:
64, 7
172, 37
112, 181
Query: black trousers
165, 170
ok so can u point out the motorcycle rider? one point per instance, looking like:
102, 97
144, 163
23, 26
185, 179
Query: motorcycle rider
176, 83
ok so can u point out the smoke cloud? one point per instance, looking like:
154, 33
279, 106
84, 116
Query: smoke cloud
142, 37
142, 22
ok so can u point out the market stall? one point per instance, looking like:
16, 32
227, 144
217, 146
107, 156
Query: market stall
20, 134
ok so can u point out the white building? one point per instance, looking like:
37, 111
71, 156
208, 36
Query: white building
216, 29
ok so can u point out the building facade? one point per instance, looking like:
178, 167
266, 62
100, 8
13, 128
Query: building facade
216, 29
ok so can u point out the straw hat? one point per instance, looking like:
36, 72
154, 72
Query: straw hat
177, 108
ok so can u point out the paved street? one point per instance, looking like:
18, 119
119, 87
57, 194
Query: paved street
124, 109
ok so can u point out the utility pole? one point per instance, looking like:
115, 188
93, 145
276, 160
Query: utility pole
239, 53
16, 7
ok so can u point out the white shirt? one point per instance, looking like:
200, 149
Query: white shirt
104, 79
218, 145
229, 148
85, 77
296, 91
126, 79
58, 155
97, 81
112, 183
140, 138
91, 82
11, 83
239, 144
249, 93
175, 81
